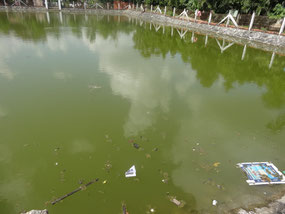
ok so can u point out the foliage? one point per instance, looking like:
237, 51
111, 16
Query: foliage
278, 11
261, 7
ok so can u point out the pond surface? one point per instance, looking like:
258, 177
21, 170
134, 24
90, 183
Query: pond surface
77, 91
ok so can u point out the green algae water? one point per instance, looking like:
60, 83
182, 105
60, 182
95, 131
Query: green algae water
85, 97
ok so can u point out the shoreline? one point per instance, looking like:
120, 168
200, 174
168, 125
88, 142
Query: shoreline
255, 39
271, 206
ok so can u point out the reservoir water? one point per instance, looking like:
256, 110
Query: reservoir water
87, 96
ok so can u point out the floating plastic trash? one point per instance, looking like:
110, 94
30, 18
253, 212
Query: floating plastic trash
262, 173
131, 172
214, 202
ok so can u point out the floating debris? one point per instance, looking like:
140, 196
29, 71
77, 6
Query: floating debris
155, 150
56, 163
137, 146
131, 172
131, 140
148, 156
124, 208
94, 87
74, 191
108, 166
214, 203
37, 212
104, 182
80, 181
178, 203
262, 173
216, 164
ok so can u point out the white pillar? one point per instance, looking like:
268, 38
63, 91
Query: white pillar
150, 8
73, 5
282, 27
174, 11
59, 4
243, 52
46, 4
4, 3
165, 10
251, 21
119, 6
210, 18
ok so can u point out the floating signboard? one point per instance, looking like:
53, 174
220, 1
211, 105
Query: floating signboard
262, 173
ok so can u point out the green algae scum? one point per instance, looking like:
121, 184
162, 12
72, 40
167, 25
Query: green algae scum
87, 96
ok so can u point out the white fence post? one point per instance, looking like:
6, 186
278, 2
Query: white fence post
46, 3
251, 21
150, 8
119, 7
165, 10
174, 11
210, 18
196, 12
282, 27
228, 20
59, 4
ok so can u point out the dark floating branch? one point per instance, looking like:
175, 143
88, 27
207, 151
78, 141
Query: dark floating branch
74, 191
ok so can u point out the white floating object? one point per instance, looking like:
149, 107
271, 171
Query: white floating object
214, 203
131, 172
56, 163
94, 86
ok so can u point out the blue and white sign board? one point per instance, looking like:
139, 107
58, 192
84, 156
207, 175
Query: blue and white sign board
131, 172
262, 173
